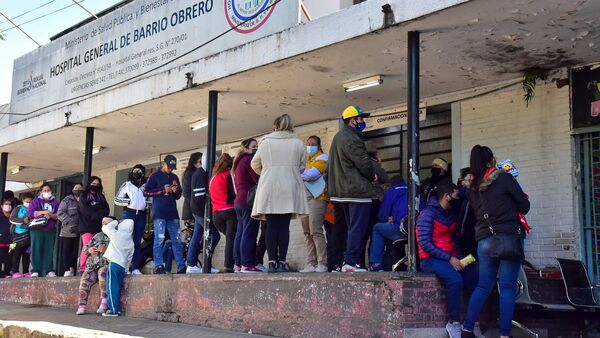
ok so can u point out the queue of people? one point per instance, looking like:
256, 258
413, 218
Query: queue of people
344, 200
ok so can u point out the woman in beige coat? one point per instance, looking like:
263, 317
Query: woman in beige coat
280, 194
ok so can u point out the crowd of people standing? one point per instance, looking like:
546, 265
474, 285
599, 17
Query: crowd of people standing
344, 201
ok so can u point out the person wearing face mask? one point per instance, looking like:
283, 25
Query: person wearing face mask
131, 197
5, 239
42, 241
194, 163
68, 215
440, 255
312, 225
93, 207
20, 233
439, 175
350, 172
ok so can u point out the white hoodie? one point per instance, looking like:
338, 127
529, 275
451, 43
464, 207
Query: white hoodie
120, 248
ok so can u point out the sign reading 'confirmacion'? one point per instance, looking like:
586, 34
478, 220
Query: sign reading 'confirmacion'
145, 35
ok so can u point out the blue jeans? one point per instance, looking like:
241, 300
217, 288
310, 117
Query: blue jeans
381, 232
244, 250
114, 284
357, 218
139, 224
507, 273
172, 226
197, 237
454, 282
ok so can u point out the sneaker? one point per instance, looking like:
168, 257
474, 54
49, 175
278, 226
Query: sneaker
272, 267
51, 274
250, 269
353, 268
477, 331
34, 275
80, 310
237, 268
193, 269
283, 267
376, 268
160, 270
308, 268
68, 274
108, 313
467, 334
26, 275
136, 272
102, 308
182, 271
321, 268
261, 267
454, 330
17, 275
336, 268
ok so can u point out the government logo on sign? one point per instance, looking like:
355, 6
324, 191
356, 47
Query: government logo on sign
246, 16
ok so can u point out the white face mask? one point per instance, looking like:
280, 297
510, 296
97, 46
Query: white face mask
6, 207
47, 195
26, 204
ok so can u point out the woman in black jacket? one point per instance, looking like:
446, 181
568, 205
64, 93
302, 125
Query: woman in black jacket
92, 208
498, 195
194, 163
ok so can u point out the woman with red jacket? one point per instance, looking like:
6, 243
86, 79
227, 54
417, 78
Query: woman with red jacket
222, 196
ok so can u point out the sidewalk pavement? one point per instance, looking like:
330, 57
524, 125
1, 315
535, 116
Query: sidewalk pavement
66, 324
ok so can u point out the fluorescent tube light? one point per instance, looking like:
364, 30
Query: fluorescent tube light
16, 170
363, 83
199, 124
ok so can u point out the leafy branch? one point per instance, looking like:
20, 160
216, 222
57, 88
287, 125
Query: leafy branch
530, 77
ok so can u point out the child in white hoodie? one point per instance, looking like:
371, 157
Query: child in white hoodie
119, 254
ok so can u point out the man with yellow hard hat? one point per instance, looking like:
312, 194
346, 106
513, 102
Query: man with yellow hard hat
350, 173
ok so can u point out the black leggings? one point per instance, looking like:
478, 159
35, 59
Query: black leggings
70, 252
226, 222
20, 255
5, 261
278, 236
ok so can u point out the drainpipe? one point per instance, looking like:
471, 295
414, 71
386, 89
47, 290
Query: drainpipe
3, 166
413, 145
210, 162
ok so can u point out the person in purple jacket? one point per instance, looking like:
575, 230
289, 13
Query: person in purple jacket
42, 241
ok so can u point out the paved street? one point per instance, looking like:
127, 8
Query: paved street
122, 325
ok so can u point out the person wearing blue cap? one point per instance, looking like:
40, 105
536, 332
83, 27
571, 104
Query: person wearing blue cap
350, 173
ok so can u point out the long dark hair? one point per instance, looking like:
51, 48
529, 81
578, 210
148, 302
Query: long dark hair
88, 189
194, 157
481, 157
223, 163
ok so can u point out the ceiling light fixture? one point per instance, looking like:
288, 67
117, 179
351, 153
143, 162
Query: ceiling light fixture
16, 170
199, 124
363, 83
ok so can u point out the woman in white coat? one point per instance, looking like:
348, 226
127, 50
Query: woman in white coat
280, 194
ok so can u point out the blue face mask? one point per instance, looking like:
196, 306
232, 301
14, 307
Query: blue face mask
361, 126
311, 150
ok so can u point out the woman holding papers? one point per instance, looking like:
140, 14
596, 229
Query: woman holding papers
316, 192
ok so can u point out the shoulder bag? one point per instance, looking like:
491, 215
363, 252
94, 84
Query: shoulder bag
504, 246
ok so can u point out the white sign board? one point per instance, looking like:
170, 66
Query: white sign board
391, 117
142, 37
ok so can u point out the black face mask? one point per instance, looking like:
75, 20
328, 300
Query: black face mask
455, 204
136, 175
94, 188
76, 193
436, 172
254, 151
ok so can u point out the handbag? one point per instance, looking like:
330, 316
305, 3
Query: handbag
504, 246
38, 223
21, 240
251, 196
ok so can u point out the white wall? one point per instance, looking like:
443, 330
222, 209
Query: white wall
537, 138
